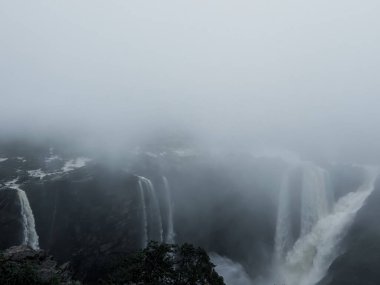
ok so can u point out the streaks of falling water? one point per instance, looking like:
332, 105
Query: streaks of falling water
313, 253
170, 234
283, 235
316, 201
144, 240
151, 211
30, 234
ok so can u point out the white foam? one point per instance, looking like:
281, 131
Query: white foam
75, 163
12, 184
52, 158
313, 253
21, 158
37, 173
233, 273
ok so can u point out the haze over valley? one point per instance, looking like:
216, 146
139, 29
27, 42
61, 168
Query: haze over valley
246, 130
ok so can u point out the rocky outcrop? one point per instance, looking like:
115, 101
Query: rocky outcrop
23, 265
11, 225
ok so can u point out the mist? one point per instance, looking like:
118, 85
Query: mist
253, 74
249, 129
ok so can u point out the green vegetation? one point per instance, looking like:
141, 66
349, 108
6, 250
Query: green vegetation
158, 264
28, 272
164, 264
15, 273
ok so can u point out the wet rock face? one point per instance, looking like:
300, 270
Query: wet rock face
83, 212
86, 216
11, 226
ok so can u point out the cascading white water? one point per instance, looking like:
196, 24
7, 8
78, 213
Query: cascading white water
155, 209
233, 273
152, 218
313, 253
30, 234
316, 203
144, 241
170, 235
283, 237
316, 200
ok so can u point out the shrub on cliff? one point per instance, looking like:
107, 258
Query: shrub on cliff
21, 265
165, 264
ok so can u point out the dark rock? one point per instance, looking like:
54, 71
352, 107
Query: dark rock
38, 267
87, 216
11, 225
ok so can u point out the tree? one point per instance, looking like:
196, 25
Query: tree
22, 265
165, 264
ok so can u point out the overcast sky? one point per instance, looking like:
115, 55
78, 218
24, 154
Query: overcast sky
302, 74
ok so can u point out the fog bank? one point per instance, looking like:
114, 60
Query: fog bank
289, 74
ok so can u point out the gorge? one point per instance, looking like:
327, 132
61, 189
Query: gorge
263, 219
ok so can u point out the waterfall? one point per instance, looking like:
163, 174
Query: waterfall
316, 199
232, 272
283, 237
313, 253
152, 220
316, 203
144, 223
30, 234
154, 210
170, 235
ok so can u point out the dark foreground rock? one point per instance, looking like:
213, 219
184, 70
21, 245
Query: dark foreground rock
165, 264
158, 264
21, 265
11, 226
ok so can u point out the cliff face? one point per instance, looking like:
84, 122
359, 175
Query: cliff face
23, 265
89, 213
11, 226
86, 216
